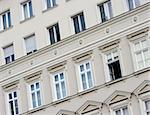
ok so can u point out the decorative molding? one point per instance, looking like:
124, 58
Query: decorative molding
57, 67
33, 76
110, 45
117, 96
83, 56
144, 87
65, 112
11, 85
89, 106
138, 34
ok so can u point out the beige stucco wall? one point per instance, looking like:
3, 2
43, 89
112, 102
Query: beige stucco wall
90, 40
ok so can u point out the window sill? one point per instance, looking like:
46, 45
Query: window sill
27, 19
87, 91
60, 100
50, 8
6, 29
33, 110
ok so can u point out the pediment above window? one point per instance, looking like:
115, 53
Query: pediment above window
89, 106
144, 87
117, 96
65, 112
33, 76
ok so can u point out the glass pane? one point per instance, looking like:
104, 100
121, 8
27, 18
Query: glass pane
109, 57
58, 91
15, 94
148, 113
82, 22
89, 78
147, 104
25, 11
76, 24
87, 65
81, 68
139, 60
39, 98
83, 81
147, 57
125, 111
4, 21
144, 44
9, 19
32, 87
37, 85
57, 33
137, 46
30, 9
10, 95
61, 76
56, 78
51, 34
33, 100
63, 89
11, 108
102, 12
118, 112
115, 54
130, 3
16, 106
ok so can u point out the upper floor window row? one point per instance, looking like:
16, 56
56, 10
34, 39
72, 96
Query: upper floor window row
105, 9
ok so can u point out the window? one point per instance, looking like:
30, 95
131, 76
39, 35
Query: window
27, 10
54, 34
49, 3
5, 20
86, 75
79, 22
142, 53
105, 10
9, 54
60, 85
122, 111
35, 95
13, 103
113, 64
133, 4
147, 107
30, 44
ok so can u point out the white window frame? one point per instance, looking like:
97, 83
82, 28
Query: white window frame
35, 91
10, 56
34, 47
107, 75
108, 13
54, 84
122, 104
79, 75
79, 20
142, 98
45, 4
7, 22
121, 110
7, 100
140, 38
28, 10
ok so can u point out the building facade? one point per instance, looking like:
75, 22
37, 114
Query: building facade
70, 57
